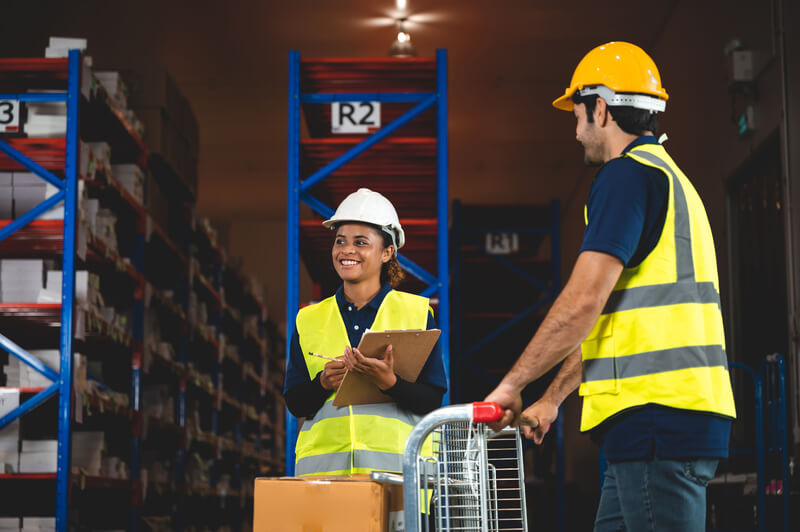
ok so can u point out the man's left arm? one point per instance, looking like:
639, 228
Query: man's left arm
567, 324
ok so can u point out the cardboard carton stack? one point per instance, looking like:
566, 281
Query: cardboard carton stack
88, 455
114, 86
19, 374
132, 179
171, 132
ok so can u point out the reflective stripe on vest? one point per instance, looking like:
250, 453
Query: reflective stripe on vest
361, 438
659, 339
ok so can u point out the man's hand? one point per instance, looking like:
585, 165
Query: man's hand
509, 400
378, 370
543, 411
332, 374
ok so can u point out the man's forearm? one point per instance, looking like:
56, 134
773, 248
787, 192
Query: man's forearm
561, 333
571, 318
567, 380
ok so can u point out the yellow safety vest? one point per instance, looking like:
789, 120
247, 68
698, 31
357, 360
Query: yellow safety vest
659, 339
362, 438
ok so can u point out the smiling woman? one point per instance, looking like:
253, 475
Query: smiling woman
363, 438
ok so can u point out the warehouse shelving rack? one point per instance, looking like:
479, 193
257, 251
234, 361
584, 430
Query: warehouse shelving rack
239, 437
770, 450
406, 159
504, 279
67, 192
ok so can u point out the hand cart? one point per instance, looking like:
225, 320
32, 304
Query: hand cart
474, 477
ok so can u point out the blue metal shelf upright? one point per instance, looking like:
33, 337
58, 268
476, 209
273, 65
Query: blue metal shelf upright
67, 193
408, 109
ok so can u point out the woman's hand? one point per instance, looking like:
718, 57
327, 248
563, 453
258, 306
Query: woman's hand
378, 370
332, 374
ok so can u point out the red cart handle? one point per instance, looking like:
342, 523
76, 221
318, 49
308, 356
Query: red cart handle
486, 412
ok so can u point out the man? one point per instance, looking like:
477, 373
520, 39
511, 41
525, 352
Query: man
638, 324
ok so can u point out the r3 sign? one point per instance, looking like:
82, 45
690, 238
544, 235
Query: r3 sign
355, 117
9, 115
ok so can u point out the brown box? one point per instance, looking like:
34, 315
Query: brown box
327, 504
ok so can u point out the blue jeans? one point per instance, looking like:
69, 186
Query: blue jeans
655, 495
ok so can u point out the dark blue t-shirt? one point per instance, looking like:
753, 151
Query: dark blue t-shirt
626, 209
356, 322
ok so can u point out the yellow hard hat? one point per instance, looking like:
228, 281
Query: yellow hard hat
622, 74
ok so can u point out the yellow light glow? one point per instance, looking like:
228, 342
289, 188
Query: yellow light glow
403, 37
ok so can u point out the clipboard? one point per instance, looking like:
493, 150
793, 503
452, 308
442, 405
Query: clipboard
410, 348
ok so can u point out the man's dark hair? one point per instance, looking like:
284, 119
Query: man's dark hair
629, 119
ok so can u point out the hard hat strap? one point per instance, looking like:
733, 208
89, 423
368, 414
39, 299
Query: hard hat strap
639, 101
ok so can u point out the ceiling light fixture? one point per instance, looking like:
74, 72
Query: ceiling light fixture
402, 46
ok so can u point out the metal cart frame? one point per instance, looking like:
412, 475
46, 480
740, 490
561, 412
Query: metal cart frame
475, 475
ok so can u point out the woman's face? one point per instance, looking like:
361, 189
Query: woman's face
358, 253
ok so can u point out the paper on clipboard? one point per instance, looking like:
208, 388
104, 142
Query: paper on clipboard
410, 349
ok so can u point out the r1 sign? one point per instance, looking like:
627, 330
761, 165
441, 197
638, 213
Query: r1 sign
502, 243
355, 117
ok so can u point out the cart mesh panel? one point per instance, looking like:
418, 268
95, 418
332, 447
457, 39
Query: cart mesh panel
477, 477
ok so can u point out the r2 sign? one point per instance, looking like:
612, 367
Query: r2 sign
9, 116
355, 117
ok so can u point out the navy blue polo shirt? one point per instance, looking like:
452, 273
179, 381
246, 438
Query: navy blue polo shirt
356, 322
626, 209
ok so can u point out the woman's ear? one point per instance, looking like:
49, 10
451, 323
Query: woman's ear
388, 253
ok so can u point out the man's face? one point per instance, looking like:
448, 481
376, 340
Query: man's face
588, 134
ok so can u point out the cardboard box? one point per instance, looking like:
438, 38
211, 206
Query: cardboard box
329, 504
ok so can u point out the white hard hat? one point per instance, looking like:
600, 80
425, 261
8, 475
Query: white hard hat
367, 206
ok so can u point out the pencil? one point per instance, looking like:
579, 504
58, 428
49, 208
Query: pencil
321, 356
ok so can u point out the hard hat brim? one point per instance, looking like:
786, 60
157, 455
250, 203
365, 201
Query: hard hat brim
564, 102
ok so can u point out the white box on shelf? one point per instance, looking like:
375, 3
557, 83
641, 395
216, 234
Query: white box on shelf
27, 179
6, 202
8, 524
38, 523
6, 179
9, 435
21, 265
53, 285
28, 197
70, 43
38, 462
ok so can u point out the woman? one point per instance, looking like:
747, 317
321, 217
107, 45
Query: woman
359, 438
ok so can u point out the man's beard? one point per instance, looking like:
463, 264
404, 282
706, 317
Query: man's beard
591, 162
590, 159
